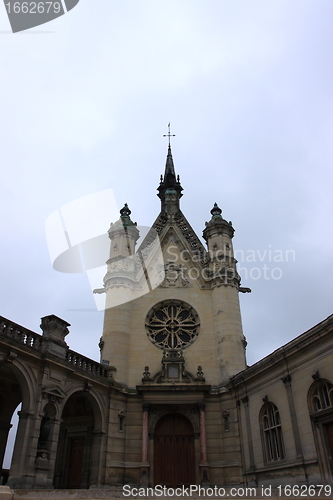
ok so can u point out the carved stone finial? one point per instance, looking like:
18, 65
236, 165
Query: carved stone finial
146, 375
200, 374
54, 331
125, 211
54, 327
216, 211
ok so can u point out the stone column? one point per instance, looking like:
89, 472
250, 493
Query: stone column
245, 401
144, 459
145, 433
22, 469
298, 445
203, 441
4, 430
204, 465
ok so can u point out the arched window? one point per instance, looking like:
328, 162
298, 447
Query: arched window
321, 396
272, 438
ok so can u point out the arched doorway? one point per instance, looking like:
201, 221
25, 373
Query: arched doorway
174, 463
78, 444
10, 400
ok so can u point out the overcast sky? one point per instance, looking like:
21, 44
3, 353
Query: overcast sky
248, 88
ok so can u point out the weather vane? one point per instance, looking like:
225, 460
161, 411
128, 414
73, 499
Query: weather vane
169, 134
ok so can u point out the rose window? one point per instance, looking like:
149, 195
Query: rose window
172, 324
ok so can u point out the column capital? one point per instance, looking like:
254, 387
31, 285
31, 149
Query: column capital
145, 407
25, 414
202, 406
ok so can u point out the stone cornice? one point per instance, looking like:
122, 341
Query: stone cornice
293, 348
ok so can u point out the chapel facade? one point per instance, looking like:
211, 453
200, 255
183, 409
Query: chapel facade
172, 401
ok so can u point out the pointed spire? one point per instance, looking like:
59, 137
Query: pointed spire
169, 174
170, 190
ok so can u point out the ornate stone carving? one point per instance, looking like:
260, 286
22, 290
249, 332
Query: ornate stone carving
160, 222
173, 371
175, 276
11, 356
200, 374
172, 324
146, 375
53, 394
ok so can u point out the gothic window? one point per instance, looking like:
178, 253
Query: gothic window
272, 438
172, 324
321, 396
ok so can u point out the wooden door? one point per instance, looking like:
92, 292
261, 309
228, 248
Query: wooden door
75, 463
174, 463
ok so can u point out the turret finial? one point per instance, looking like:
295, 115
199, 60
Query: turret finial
125, 213
216, 211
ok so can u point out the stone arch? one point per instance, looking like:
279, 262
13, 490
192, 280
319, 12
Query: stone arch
320, 395
96, 401
78, 453
192, 415
16, 388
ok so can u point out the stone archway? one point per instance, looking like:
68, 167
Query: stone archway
174, 457
10, 398
16, 387
78, 444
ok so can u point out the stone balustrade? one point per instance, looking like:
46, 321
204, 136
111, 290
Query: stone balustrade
33, 340
78, 361
20, 334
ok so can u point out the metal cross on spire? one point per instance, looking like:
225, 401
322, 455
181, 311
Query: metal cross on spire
169, 135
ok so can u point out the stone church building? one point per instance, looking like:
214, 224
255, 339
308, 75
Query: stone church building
172, 401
